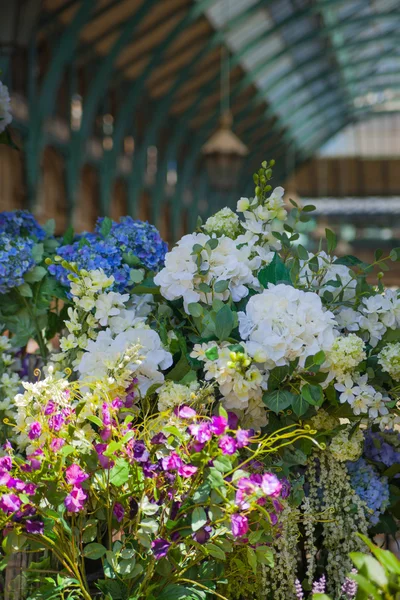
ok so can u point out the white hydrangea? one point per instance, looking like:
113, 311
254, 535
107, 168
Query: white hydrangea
347, 444
389, 359
181, 276
283, 323
345, 355
238, 378
172, 394
103, 354
345, 288
378, 314
347, 319
224, 222
362, 397
5, 107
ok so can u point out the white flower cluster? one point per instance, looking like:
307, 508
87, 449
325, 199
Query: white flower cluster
224, 222
283, 324
329, 277
9, 379
172, 394
345, 355
347, 444
5, 107
185, 269
362, 397
241, 382
257, 216
375, 315
389, 359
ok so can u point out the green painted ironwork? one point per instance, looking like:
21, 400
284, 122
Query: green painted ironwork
42, 106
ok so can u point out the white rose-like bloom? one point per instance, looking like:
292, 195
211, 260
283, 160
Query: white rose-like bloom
389, 359
5, 107
328, 271
379, 313
180, 277
104, 352
284, 323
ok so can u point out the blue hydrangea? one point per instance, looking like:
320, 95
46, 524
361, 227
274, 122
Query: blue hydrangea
15, 260
21, 223
370, 487
96, 251
140, 238
378, 449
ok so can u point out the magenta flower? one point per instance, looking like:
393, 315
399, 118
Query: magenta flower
239, 525
30, 489
105, 462
35, 527
185, 412
271, 486
106, 415
160, 548
227, 444
35, 430
243, 437
50, 408
171, 462
10, 503
158, 439
56, 422
286, 487
202, 535
117, 403
56, 444
75, 500
201, 432
74, 475
140, 452
233, 420
105, 433
187, 470
219, 425
118, 511
6, 463
4, 477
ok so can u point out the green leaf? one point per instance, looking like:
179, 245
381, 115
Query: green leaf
205, 288
395, 254
181, 369
265, 555
385, 557
221, 286
302, 252
202, 493
331, 240
106, 226
252, 559
36, 274
136, 275
89, 533
199, 518
299, 405
319, 358
320, 597
278, 400
119, 474
178, 592
25, 290
366, 586
94, 551
212, 243
215, 478
309, 208
312, 394
368, 565
275, 272
95, 420
224, 323
215, 551
348, 261
50, 227
223, 463
195, 309
212, 353
37, 252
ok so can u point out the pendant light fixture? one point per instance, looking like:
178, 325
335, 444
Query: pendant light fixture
224, 152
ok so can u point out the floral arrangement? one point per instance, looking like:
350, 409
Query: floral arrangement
225, 426
5, 114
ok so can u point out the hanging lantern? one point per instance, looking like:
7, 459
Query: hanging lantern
224, 154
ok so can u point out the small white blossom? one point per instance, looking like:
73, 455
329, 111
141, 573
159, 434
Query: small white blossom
5, 107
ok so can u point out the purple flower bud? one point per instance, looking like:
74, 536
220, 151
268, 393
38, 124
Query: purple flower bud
117, 403
219, 425
118, 511
171, 462
35, 430
158, 439
74, 475
140, 452
202, 535
160, 548
299, 590
75, 500
243, 437
286, 487
30, 489
50, 408
227, 444
149, 470
319, 586
201, 432
56, 444
271, 486
133, 508
34, 527
233, 420
174, 510
185, 412
56, 422
10, 503
105, 462
6, 463
239, 525
106, 415
187, 470
349, 587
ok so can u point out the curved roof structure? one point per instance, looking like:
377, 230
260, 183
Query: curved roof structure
300, 70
